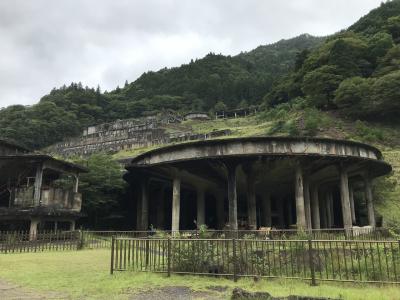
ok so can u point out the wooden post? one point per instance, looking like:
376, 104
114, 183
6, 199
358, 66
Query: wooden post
112, 255
147, 249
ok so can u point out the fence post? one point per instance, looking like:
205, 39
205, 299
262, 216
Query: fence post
169, 257
147, 249
311, 262
234, 260
80, 242
112, 255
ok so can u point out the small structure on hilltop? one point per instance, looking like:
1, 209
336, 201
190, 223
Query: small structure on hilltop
235, 113
200, 116
246, 183
28, 196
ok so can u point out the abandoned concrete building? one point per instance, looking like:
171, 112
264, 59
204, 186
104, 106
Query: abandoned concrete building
130, 134
29, 198
246, 183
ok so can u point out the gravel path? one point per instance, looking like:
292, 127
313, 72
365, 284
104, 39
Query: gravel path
9, 291
179, 293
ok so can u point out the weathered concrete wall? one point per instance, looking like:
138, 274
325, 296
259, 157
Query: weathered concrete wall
258, 146
56, 198
127, 134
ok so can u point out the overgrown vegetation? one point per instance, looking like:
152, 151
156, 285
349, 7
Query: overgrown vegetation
355, 71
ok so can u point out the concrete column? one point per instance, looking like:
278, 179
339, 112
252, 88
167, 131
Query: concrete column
344, 197
307, 202
352, 207
33, 229
38, 184
251, 203
201, 220
329, 209
323, 215
232, 196
289, 213
220, 210
160, 208
316, 224
76, 184
369, 201
299, 194
72, 225
145, 205
176, 203
280, 207
266, 210
138, 210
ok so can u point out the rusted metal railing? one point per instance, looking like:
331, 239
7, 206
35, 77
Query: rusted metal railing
313, 260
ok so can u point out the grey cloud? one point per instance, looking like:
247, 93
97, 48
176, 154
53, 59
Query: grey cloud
46, 43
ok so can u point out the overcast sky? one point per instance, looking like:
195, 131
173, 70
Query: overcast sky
48, 43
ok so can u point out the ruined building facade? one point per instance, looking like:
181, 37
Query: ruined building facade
247, 183
29, 196
128, 134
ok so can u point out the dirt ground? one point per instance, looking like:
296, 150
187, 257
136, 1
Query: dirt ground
179, 293
10, 291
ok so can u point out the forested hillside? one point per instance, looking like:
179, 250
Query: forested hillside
233, 81
356, 71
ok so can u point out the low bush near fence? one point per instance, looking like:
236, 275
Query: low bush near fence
350, 260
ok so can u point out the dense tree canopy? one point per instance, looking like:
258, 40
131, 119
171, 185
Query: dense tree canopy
102, 187
356, 71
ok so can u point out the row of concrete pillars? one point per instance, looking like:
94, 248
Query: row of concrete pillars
311, 212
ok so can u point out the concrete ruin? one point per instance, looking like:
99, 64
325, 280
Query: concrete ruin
29, 197
130, 134
246, 183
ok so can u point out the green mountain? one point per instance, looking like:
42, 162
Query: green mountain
356, 71
234, 80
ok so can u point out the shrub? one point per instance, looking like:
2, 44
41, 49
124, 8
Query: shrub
368, 134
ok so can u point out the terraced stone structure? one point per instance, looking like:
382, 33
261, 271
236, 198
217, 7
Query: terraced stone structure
130, 134
246, 183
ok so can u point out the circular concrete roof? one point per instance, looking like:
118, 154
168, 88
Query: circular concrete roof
265, 147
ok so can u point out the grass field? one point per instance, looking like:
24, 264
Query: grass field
85, 275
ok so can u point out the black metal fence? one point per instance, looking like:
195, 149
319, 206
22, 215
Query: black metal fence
314, 260
22, 241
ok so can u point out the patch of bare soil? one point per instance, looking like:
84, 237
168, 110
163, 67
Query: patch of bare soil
177, 293
9, 291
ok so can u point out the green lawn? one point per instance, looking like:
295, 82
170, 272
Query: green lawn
85, 274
